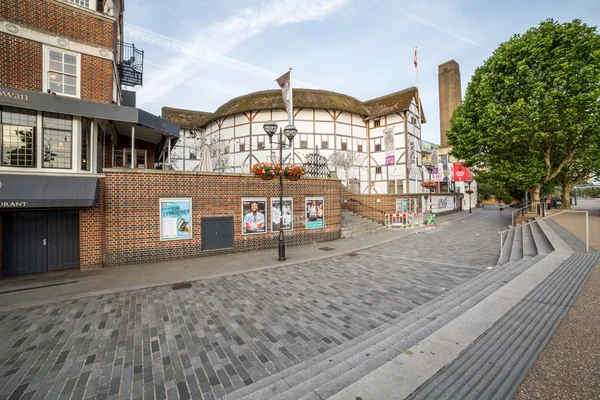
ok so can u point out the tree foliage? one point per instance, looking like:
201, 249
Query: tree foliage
346, 159
533, 107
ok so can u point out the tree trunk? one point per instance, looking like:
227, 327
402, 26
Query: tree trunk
534, 197
347, 173
567, 196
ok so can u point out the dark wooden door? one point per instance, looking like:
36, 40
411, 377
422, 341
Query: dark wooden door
63, 240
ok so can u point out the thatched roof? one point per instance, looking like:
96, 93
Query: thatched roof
303, 98
186, 119
392, 103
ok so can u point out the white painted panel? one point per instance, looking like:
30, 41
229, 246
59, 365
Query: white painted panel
321, 115
306, 114
323, 127
343, 129
227, 133
379, 158
280, 115
242, 130
262, 116
359, 132
399, 141
345, 117
304, 126
257, 128
358, 121
394, 119
229, 121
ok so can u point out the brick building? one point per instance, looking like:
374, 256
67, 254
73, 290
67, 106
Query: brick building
64, 119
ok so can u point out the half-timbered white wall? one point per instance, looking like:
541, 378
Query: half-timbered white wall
246, 143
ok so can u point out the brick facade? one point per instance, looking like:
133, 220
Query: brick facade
92, 232
376, 206
60, 18
21, 63
96, 79
132, 225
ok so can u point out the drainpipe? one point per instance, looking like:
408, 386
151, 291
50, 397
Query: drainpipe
133, 146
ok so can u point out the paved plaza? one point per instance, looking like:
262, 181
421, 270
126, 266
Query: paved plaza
225, 333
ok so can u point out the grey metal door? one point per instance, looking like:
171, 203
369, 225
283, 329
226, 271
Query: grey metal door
217, 233
63, 240
39, 241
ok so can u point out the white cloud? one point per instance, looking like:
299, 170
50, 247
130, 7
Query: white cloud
222, 37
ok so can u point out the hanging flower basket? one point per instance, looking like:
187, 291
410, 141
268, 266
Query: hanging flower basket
294, 172
266, 171
469, 191
430, 184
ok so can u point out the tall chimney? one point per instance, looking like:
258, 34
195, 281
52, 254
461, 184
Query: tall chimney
450, 95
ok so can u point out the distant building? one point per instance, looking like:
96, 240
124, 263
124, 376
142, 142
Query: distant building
326, 121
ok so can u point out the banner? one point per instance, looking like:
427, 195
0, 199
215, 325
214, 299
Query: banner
388, 140
434, 158
412, 152
461, 173
284, 82
288, 214
435, 176
254, 211
315, 212
175, 219
445, 169
439, 203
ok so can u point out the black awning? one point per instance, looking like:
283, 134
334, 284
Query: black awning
68, 105
34, 191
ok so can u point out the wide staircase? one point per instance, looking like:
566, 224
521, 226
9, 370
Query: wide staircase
351, 369
356, 225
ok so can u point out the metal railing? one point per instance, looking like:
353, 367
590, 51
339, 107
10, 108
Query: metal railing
131, 64
512, 228
539, 210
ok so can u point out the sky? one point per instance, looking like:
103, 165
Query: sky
200, 54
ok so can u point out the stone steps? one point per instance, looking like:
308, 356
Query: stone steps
355, 225
329, 373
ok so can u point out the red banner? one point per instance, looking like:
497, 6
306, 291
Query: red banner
462, 174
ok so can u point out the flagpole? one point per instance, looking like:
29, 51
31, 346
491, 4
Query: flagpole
419, 116
291, 114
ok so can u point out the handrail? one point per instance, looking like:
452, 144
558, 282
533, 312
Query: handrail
527, 206
512, 228
366, 205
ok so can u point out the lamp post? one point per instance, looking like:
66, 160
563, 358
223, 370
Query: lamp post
429, 168
468, 182
290, 131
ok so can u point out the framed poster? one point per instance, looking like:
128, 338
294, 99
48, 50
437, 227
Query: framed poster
315, 212
288, 214
254, 215
175, 219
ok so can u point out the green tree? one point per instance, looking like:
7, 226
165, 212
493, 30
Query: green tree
532, 107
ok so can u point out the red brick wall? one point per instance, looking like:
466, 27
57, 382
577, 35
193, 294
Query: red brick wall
92, 233
132, 212
62, 19
367, 205
96, 79
20, 63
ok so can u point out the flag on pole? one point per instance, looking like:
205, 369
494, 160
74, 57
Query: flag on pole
415, 62
284, 82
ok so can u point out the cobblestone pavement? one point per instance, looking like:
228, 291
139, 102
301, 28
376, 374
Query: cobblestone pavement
222, 334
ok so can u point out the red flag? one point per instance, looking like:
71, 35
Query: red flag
284, 83
415, 57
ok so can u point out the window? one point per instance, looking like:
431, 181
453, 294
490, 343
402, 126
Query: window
376, 123
86, 129
62, 72
117, 158
226, 149
192, 155
413, 120
57, 136
377, 146
18, 130
377, 170
359, 148
261, 145
242, 146
99, 149
140, 158
344, 146
81, 3
324, 144
304, 144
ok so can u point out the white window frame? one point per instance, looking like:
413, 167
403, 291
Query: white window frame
91, 5
46, 81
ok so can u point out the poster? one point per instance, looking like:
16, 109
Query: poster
388, 140
175, 219
254, 215
445, 169
288, 214
412, 152
461, 173
401, 205
315, 212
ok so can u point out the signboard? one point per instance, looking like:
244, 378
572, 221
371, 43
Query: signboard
388, 139
401, 205
288, 214
435, 175
461, 173
439, 203
445, 169
175, 219
254, 215
315, 212
434, 158
412, 152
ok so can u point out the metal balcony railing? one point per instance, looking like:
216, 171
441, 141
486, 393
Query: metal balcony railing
130, 65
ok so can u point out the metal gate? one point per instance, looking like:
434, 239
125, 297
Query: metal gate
39, 241
217, 233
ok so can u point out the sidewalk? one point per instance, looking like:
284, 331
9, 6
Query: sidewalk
31, 290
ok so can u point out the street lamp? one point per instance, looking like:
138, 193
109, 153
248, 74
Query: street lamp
429, 168
469, 192
290, 131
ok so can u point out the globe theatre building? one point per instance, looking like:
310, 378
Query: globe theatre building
327, 122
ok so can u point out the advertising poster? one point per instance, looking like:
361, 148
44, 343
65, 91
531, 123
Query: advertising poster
315, 212
412, 152
401, 205
445, 169
288, 214
254, 215
461, 173
388, 140
175, 219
